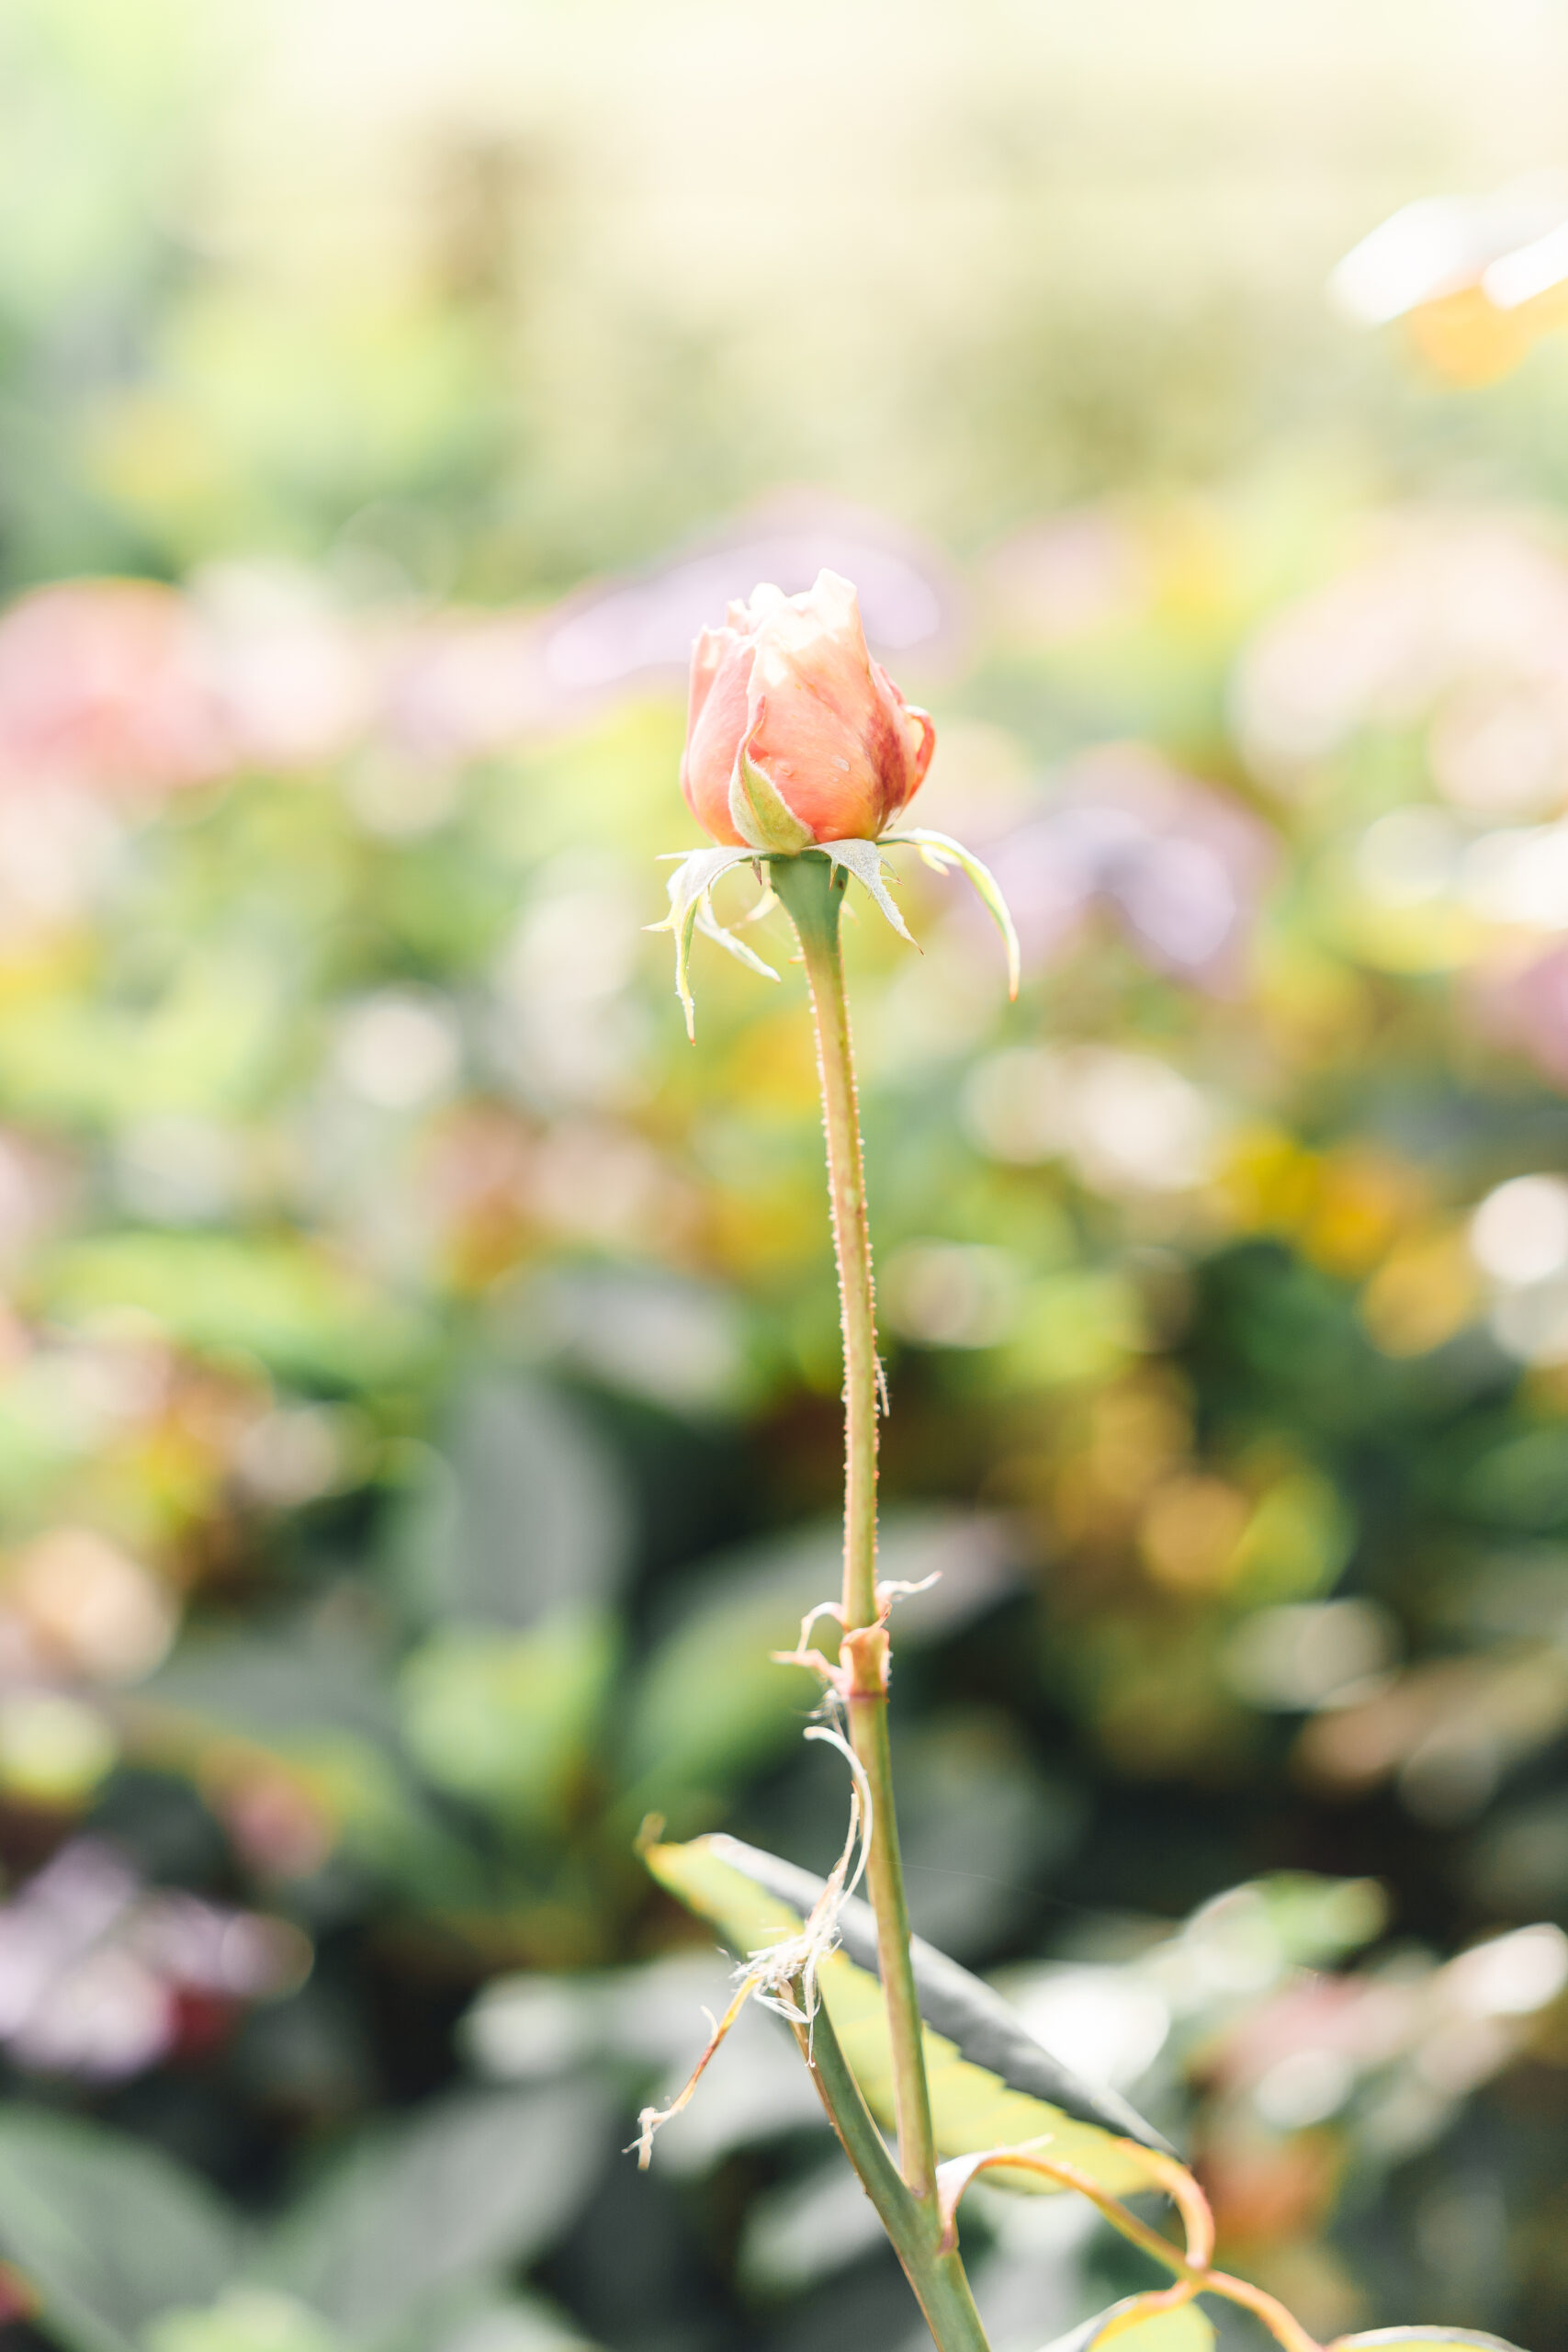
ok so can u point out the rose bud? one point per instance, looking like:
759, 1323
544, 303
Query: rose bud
793, 734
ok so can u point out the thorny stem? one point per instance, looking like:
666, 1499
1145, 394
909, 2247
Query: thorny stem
811, 892
910, 2198
814, 895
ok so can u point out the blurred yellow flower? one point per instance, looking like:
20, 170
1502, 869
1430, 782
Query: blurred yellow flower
1476, 281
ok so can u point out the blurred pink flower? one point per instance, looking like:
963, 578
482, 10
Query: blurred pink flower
1522, 1005
788, 687
1365, 2022
103, 686
100, 1972
1454, 621
612, 633
1059, 580
1179, 866
464, 684
292, 680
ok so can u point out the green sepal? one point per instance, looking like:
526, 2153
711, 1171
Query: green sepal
759, 813
710, 926
863, 859
940, 851
690, 910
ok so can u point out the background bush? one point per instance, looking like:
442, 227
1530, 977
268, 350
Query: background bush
418, 1411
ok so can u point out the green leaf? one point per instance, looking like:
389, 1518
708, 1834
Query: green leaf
477, 2182
305, 1312
1423, 2339
1183, 2329
991, 2084
506, 1719
245, 2319
522, 1513
940, 849
274, 1687
512, 2324
320, 1705
108, 2231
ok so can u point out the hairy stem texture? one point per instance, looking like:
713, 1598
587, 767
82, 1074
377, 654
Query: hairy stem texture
809, 890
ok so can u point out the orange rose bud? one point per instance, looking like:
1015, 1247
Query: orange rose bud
793, 734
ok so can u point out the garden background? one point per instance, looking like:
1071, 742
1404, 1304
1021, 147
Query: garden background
418, 1372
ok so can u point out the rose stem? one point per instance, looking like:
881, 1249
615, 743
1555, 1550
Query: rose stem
937, 2276
814, 895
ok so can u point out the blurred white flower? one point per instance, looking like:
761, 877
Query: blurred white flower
1462, 620
1137, 1124
1127, 1121
291, 1454
400, 1049
1108, 2024
1503, 240
175, 1169
57, 849
1518, 1236
950, 1294
568, 1029
291, 678
1308, 1654
34, 1189
1013, 1104
1510, 1976
1409, 858
1519, 1233
1499, 746
398, 796
1532, 1324
1518, 875
1304, 2087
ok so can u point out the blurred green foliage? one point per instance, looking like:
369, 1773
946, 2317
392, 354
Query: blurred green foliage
418, 1369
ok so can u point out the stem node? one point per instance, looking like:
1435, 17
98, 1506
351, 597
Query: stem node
867, 1652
